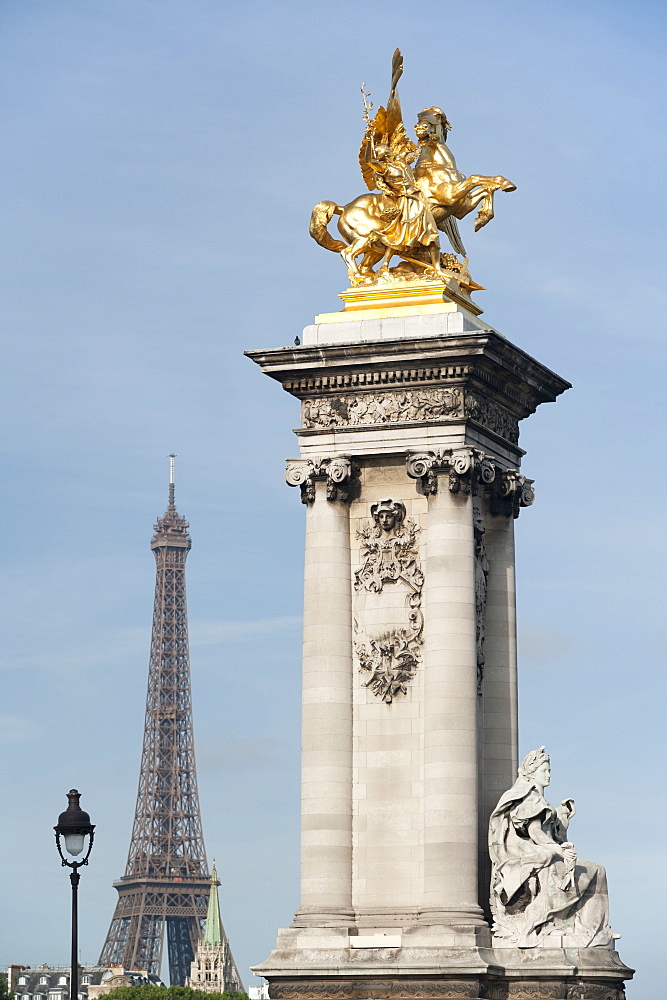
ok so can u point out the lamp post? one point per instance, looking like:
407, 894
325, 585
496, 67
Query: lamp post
74, 826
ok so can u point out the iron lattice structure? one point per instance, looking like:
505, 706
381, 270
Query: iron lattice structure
166, 879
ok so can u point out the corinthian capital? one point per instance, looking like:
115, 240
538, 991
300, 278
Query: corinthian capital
305, 472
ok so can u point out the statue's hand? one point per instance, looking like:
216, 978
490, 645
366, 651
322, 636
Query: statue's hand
566, 811
569, 853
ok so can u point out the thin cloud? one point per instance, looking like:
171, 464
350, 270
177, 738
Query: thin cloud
210, 633
14, 729
131, 642
234, 753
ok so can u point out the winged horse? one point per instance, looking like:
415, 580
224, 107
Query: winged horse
401, 219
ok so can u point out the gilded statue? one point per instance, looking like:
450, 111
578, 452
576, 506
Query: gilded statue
542, 893
418, 192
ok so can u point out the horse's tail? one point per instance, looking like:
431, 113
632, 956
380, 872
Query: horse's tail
320, 217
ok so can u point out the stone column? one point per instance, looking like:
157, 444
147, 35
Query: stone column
450, 694
500, 675
326, 756
499, 709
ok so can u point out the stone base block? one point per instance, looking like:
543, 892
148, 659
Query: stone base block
434, 962
373, 989
445, 988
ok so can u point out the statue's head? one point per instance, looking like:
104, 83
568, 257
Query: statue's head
536, 765
388, 514
432, 123
478, 516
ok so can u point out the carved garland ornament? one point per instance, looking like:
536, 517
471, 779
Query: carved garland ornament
390, 560
336, 472
469, 471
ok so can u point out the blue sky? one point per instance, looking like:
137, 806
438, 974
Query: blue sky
159, 166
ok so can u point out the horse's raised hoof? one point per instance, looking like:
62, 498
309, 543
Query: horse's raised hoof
507, 186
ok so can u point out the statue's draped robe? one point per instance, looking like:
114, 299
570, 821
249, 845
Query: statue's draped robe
528, 899
413, 224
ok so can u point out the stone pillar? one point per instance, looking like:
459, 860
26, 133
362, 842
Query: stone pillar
326, 779
450, 695
500, 674
499, 704
498, 695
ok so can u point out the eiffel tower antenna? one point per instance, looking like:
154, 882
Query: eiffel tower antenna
172, 459
166, 884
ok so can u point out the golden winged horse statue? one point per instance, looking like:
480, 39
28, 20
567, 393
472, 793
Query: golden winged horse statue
409, 205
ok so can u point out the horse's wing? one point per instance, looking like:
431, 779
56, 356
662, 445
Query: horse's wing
449, 227
401, 147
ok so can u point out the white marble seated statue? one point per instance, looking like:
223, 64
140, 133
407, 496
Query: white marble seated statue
542, 894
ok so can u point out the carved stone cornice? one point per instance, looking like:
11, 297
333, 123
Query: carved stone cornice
305, 472
469, 472
503, 384
372, 377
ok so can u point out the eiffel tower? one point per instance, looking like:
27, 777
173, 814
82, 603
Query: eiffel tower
166, 880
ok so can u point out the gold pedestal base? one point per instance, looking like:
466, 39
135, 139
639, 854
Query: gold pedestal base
418, 298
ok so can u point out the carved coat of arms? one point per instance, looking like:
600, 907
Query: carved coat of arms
389, 622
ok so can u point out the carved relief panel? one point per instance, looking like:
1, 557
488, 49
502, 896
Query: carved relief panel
481, 585
388, 618
423, 404
382, 407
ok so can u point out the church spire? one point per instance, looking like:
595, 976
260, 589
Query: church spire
213, 931
214, 969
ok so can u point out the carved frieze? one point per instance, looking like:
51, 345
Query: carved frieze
390, 569
469, 472
336, 472
311, 991
444, 989
373, 989
541, 989
492, 415
419, 404
353, 409
594, 991
537, 990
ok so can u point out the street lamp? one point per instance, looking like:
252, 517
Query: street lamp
74, 826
